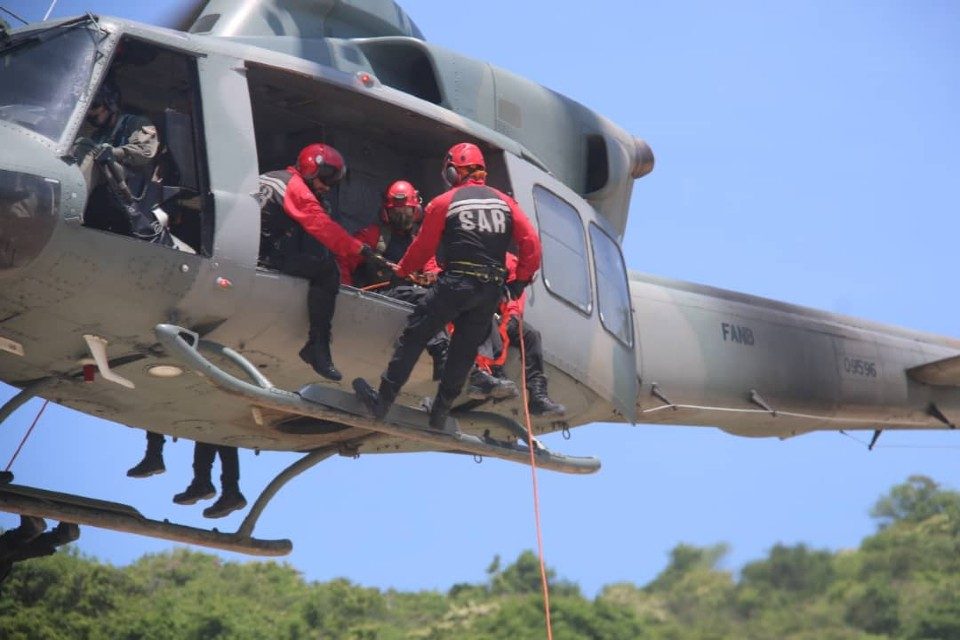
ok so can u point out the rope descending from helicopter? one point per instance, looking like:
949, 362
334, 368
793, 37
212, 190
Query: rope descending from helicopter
536, 493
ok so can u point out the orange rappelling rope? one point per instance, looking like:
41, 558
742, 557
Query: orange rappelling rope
374, 287
533, 473
27, 435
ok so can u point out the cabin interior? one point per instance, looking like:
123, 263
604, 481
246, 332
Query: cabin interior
381, 142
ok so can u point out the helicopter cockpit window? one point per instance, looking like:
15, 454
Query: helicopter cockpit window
141, 151
613, 292
565, 270
43, 73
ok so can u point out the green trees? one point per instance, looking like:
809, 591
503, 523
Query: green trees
902, 583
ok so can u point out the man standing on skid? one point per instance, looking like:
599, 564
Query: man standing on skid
469, 228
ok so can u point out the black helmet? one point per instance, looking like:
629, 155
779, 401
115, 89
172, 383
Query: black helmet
107, 96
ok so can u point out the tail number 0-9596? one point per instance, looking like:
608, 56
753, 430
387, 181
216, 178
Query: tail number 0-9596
858, 367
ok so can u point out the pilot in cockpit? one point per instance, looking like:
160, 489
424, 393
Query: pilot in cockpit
117, 157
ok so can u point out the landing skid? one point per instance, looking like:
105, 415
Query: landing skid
120, 517
325, 403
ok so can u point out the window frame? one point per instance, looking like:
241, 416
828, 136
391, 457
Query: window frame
208, 221
587, 310
626, 281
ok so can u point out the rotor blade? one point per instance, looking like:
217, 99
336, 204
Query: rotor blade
182, 14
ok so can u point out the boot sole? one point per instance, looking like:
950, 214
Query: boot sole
189, 501
498, 393
222, 514
146, 474
548, 413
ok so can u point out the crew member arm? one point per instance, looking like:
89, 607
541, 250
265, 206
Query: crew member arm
424, 246
514, 307
300, 204
141, 146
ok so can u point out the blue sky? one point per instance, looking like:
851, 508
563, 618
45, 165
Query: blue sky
806, 152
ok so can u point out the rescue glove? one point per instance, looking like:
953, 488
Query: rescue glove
374, 258
396, 279
82, 147
515, 288
103, 154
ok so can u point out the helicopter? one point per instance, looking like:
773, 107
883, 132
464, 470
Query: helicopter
649, 349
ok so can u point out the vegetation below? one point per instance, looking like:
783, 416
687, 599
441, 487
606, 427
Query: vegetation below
903, 582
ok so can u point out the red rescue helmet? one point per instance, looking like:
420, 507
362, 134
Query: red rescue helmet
322, 161
401, 206
464, 155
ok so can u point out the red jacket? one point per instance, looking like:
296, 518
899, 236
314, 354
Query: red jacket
300, 204
436, 221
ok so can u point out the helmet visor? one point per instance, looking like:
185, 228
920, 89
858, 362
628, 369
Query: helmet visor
330, 174
402, 217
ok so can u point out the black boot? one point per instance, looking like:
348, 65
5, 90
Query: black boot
437, 348
540, 403
482, 385
198, 490
230, 500
377, 402
317, 355
64, 533
30, 527
152, 462
439, 414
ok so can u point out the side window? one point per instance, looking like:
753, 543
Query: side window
141, 151
565, 270
613, 292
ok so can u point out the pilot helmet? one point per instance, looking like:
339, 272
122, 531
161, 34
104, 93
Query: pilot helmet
321, 161
401, 206
108, 97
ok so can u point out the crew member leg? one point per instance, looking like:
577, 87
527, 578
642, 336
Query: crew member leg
538, 402
321, 304
200, 488
30, 527
470, 329
438, 307
230, 497
39, 545
152, 462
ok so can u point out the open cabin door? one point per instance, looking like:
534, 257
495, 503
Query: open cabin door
580, 302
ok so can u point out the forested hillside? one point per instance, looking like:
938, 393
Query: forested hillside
903, 582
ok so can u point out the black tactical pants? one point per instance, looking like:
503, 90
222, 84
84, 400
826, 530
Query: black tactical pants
532, 350
203, 455
463, 300
324, 277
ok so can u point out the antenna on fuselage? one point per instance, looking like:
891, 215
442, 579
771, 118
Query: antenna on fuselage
49, 11
12, 14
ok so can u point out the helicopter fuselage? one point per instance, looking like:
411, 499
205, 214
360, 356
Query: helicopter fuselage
618, 347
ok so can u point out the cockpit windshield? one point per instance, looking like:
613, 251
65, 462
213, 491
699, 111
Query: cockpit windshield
44, 72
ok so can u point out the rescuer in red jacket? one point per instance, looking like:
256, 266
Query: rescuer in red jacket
469, 227
398, 222
298, 237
